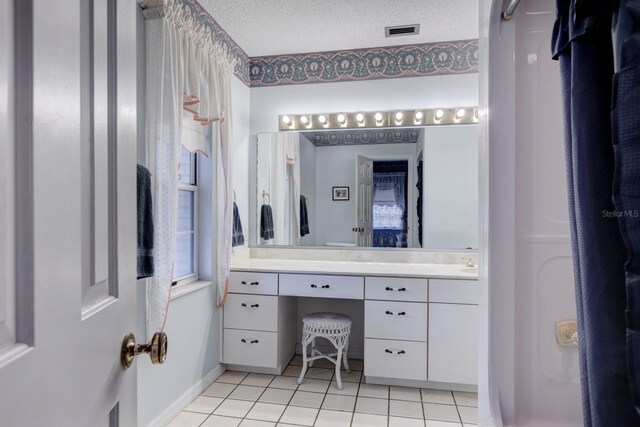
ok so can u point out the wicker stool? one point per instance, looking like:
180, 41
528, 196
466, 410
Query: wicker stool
334, 327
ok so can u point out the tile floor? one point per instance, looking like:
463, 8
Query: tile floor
256, 400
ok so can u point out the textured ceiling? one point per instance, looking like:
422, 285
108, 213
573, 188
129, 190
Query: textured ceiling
274, 27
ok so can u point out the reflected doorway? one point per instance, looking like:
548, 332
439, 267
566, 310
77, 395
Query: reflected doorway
390, 206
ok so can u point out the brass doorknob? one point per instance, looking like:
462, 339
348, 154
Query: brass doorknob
156, 349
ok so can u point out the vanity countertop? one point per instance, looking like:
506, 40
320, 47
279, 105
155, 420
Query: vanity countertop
440, 271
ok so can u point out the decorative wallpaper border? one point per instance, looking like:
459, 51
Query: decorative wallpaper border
427, 59
363, 137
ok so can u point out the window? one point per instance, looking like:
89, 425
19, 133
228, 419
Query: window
387, 216
185, 265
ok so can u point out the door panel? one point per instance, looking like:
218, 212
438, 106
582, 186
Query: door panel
7, 181
364, 208
64, 367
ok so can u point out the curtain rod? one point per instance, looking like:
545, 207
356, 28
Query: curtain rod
511, 8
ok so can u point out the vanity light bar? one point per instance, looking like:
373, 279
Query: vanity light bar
373, 119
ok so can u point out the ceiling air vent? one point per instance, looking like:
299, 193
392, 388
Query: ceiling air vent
402, 30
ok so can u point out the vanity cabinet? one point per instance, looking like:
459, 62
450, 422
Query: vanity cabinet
453, 331
417, 331
395, 319
258, 331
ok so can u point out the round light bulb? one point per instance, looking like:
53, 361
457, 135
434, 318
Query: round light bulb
439, 114
286, 120
460, 113
322, 119
342, 118
399, 116
419, 115
304, 120
360, 117
378, 117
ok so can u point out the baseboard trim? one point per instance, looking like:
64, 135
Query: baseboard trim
421, 384
194, 391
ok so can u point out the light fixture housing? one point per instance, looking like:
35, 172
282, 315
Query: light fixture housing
461, 115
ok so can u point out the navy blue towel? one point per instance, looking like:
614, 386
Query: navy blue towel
145, 223
304, 216
238, 236
266, 222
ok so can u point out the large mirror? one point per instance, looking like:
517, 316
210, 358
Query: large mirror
414, 188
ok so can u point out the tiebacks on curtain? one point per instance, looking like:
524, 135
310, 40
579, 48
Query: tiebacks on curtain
205, 60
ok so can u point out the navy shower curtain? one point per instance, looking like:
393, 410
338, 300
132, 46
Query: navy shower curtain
602, 141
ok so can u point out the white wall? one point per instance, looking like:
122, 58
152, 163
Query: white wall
239, 153
413, 92
405, 93
450, 187
336, 167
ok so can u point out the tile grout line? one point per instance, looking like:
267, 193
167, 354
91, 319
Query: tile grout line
325, 393
223, 399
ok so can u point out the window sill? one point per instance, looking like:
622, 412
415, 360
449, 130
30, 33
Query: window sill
187, 288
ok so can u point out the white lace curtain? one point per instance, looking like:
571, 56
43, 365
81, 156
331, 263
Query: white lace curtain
389, 187
186, 69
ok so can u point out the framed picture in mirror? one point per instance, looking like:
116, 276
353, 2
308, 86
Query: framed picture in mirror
340, 193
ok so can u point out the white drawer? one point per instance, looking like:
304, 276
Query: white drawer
253, 283
257, 312
252, 348
322, 286
396, 289
395, 320
395, 359
453, 291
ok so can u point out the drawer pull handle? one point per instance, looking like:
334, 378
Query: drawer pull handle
244, 282
252, 305
395, 289
314, 286
325, 286
250, 342
391, 313
395, 351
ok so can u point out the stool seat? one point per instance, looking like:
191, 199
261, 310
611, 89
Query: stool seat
334, 327
331, 323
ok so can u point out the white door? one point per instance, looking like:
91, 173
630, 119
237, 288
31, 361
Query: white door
364, 203
67, 211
